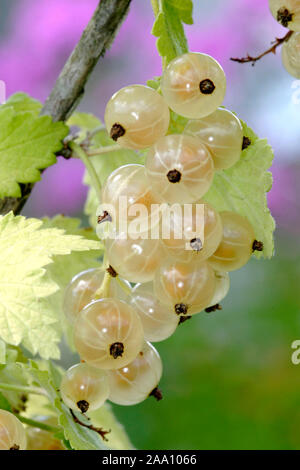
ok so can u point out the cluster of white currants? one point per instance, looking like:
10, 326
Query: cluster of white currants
287, 13
113, 321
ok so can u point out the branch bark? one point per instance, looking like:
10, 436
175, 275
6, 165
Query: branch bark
69, 87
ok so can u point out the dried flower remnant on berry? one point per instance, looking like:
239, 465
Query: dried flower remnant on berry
196, 244
284, 16
257, 246
83, 405
207, 86
213, 308
117, 131
157, 394
116, 350
111, 271
105, 217
15, 447
246, 142
174, 176
184, 319
181, 309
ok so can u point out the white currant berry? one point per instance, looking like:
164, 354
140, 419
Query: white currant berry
221, 288
135, 259
237, 243
187, 287
287, 13
128, 194
201, 229
179, 168
133, 383
108, 334
84, 388
136, 116
222, 133
39, 439
290, 54
82, 289
194, 85
12, 432
159, 321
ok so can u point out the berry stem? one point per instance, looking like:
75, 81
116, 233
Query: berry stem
275, 44
23, 389
100, 151
38, 424
89, 166
103, 290
124, 286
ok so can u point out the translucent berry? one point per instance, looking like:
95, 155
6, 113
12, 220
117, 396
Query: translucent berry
201, 228
159, 321
291, 55
136, 116
194, 85
82, 288
108, 334
135, 259
133, 383
128, 194
287, 13
179, 168
222, 133
221, 288
12, 432
187, 287
84, 388
236, 246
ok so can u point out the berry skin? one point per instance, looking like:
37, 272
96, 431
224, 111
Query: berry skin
222, 133
12, 432
84, 388
38, 439
135, 259
221, 288
186, 287
236, 246
136, 116
203, 243
108, 334
179, 168
194, 85
287, 13
128, 183
135, 382
290, 55
159, 321
82, 288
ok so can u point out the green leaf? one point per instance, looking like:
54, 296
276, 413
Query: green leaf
27, 145
243, 187
26, 315
21, 103
63, 268
2, 352
169, 30
4, 403
104, 418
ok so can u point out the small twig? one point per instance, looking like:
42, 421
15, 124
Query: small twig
272, 49
22, 389
107, 149
100, 431
38, 424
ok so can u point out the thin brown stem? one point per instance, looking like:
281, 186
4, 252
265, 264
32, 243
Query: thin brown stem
278, 42
99, 431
